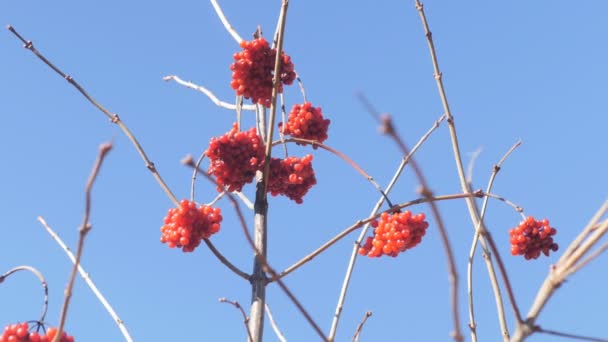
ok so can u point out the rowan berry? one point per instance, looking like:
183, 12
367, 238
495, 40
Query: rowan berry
291, 177
531, 237
235, 157
394, 233
253, 68
19, 332
306, 122
187, 225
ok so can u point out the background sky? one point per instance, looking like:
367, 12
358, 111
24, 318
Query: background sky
535, 72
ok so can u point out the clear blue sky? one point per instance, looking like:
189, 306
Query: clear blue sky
534, 72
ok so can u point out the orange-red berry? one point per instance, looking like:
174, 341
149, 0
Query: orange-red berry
235, 157
306, 122
531, 237
253, 68
187, 225
19, 332
291, 177
394, 233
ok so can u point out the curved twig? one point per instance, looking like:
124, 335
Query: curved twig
240, 308
368, 314
208, 93
45, 287
225, 22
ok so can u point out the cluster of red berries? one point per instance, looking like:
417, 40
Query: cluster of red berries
394, 233
532, 237
235, 157
291, 177
252, 71
19, 332
186, 225
306, 122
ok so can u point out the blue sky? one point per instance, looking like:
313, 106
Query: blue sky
533, 72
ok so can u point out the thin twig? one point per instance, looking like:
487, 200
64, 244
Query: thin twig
207, 93
87, 278
471, 204
301, 86
240, 308
341, 156
559, 273
274, 325
264, 263
389, 129
587, 260
225, 22
354, 254
45, 304
496, 287
360, 223
368, 314
83, 231
114, 118
567, 335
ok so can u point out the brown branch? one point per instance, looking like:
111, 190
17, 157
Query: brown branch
261, 259
85, 227
112, 116
494, 281
368, 314
471, 205
240, 308
567, 335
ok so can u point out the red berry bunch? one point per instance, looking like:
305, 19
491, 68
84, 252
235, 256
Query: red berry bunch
532, 237
235, 157
395, 233
19, 332
306, 122
186, 225
291, 177
252, 71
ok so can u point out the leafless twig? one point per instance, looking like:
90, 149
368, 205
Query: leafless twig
83, 231
368, 314
240, 308
45, 304
207, 93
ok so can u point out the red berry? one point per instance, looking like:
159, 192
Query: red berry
531, 237
20, 333
186, 226
235, 157
252, 71
291, 177
306, 122
394, 233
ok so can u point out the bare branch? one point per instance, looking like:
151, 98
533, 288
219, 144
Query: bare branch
45, 304
225, 22
368, 314
112, 116
84, 229
240, 308
208, 93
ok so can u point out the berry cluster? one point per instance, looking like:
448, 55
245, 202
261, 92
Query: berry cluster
306, 122
532, 237
291, 177
186, 225
235, 157
19, 332
252, 71
395, 233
